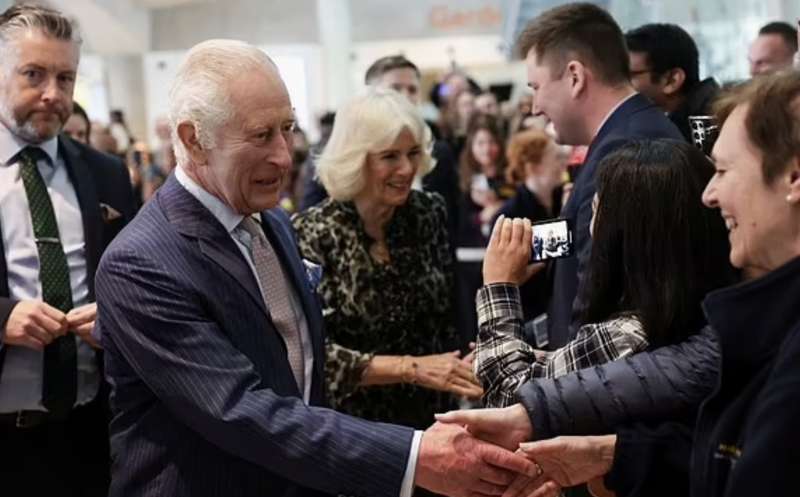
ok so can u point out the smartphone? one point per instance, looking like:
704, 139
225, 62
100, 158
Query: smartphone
552, 239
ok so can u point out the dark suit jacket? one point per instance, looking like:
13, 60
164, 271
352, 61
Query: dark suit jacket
203, 397
637, 118
98, 179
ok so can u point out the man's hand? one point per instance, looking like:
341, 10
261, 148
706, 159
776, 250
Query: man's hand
454, 463
445, 372
507, 427
81, 322
509, 252
566, 462
34, 324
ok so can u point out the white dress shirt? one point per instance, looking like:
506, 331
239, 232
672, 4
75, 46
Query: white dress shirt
21, 380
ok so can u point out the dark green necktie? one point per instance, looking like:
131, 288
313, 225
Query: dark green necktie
59, 385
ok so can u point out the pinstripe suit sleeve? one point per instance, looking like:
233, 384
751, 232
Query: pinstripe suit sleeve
161, 327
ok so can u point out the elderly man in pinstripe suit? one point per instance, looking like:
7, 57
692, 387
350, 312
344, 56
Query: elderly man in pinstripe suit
213, 337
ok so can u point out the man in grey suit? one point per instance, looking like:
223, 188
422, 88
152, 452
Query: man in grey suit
213, 337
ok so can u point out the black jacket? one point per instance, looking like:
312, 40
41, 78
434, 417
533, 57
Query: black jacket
746, 432
698, 103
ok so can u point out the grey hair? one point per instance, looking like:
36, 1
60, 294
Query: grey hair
199, 94
50, 22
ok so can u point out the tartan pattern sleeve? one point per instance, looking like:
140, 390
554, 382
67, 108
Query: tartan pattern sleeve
504, 361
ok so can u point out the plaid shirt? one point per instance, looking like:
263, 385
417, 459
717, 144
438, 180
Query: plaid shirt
504, 361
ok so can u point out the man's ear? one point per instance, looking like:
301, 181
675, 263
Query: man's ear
673, 81
577, 74
187, 133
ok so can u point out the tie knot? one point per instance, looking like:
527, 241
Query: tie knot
251, 226
33, 154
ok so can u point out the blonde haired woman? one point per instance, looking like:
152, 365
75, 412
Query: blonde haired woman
386, 266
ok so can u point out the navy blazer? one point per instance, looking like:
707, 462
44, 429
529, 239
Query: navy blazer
636, 118
203, 398
98, 179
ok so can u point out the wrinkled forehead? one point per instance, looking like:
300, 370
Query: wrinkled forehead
260, 98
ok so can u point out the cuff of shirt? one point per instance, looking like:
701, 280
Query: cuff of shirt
407, 487
497, 301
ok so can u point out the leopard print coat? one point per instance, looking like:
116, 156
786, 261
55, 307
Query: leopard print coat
403, 307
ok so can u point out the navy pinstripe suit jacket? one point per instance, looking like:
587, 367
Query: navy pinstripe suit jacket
203, 398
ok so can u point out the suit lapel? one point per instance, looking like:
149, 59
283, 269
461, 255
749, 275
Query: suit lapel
224, 253
192, 219
83, 182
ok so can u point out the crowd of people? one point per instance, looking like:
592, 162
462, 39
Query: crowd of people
238, 312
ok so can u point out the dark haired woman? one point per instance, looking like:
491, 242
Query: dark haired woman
656, 252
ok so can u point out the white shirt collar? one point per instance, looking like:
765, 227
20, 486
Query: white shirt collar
229, 218
11, 144
612, 111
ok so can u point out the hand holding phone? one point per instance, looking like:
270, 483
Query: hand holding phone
508, 252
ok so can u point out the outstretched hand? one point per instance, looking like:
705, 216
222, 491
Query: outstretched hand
506, 427
565, 462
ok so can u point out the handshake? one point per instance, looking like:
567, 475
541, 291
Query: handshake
482, 453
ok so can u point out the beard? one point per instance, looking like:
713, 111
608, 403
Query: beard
24, 127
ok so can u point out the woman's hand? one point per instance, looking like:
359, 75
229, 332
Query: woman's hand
444, 372
566, 462
509, 252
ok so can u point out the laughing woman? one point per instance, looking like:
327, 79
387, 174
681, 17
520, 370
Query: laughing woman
386, 267
745, 438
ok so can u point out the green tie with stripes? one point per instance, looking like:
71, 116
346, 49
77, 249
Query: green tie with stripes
59, 385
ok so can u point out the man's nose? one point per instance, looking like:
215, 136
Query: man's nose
52, 91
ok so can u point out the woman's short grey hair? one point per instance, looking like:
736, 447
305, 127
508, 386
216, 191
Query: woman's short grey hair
365, 124
200, 92
50, 22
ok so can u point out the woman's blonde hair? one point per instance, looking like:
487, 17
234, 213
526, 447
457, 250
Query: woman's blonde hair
367, 124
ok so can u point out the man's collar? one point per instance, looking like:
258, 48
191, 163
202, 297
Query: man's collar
11, 144
229, 218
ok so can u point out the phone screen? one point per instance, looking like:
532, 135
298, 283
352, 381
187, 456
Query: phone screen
551, 239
